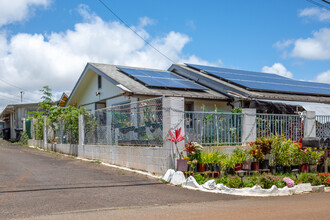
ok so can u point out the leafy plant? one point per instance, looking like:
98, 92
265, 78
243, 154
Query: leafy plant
24, 138
268, 180
200, 179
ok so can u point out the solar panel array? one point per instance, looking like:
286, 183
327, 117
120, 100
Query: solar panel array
164, 79
265, 81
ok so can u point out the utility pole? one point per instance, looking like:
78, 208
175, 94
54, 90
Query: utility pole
21, 97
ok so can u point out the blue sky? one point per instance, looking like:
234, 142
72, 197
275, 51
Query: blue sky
51, 41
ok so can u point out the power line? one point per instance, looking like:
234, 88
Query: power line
11, 84
318, 4
122, 21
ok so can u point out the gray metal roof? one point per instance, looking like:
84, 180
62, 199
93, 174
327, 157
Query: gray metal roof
136, 88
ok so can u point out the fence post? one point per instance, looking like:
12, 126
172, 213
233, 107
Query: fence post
309, 124
81, 130
173, 118
249, 125
45, 132
24, 125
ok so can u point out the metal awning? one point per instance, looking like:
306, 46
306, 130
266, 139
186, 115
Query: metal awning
318, 108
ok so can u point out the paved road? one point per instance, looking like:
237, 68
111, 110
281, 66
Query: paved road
40, 185
34, 183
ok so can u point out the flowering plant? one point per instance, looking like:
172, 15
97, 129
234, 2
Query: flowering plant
176, 138
288, 181
193, 150
325, 178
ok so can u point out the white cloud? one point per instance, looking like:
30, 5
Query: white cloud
320, 14
323, 77
18, 10
283, 44
278, 69
31, 61
315, 48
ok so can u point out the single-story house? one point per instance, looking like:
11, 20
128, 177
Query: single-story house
105, 85
13, 116
268, 93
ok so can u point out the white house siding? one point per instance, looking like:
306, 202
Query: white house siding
210, 106
86, 92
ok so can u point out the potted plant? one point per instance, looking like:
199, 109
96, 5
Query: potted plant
241, 155
313, 160
256, 152
177, 137
182, 164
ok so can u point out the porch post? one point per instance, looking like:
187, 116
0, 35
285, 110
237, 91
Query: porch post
173, 118
249, 125
45, 132
309, 124
81, 130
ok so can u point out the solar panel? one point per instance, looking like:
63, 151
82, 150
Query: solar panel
166, 79
265, 81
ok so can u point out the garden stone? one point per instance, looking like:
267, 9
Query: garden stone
225, 188
178, 178
319, 188
209, 185
302, 188
168, 175
326, 189
192, 182
272, 191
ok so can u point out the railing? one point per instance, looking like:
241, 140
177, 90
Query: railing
322, 123
291, 126
138, 123
213, 128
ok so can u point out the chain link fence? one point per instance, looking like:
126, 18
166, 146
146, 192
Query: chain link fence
322, 126
213, 128
291, 126
136, 123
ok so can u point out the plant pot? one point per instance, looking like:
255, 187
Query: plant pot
304, 168
272, 169
286, 169
230, 171
190, 168
201, 167
238, 166
126, 129
313, 168
293, 167
279, 169
264, 164
216, 167
182, 165
247, 165
208, 167
254, 166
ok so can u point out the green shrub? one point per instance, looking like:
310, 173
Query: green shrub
234, 182
223, 180
251, 181
200, 179
268, 180
24, 138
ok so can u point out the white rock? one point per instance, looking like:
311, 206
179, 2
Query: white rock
301, 188
178, 178
210, 185
319, 188
326, 189
191, 182
168, 175
272, 190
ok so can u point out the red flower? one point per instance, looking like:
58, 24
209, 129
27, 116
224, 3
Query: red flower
178, 136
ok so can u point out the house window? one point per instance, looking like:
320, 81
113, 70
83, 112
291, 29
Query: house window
99, 82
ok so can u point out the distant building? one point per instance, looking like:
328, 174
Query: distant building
13, 116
